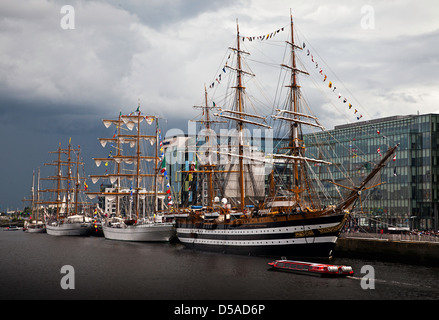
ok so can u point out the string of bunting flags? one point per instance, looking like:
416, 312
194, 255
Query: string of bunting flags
264, 36
95, 219
333, 87
218, 79
163, 168
250, 39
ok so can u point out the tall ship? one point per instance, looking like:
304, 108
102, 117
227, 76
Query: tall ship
66, 213
35, 224
132, 192
288, 220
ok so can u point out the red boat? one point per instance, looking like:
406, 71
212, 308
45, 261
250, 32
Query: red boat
327, 270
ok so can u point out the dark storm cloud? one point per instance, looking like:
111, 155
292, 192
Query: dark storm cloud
164, 13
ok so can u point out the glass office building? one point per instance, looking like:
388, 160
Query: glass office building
408, 195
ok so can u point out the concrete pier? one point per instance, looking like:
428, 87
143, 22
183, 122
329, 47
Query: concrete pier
406, 251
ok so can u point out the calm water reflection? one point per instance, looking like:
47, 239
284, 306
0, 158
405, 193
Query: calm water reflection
31, 263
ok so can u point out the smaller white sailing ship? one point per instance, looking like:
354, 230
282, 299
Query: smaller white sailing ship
148, 229
132, 201
37, 225
76, 225
67, 220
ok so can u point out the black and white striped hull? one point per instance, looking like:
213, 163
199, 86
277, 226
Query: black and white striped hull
292, 238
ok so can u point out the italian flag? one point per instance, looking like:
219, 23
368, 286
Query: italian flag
163, 167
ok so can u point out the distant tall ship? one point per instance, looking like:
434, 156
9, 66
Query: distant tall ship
35, 224
291, 221
134, 195
66, 214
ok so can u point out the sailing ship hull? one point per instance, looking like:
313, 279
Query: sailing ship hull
69, 229
36, 229
314, 237
154, 232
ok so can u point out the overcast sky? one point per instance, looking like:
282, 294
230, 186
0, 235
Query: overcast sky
58, 83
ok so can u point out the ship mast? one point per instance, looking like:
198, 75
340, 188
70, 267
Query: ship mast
209, 165
136, 174
32, 200
77, 181
38, 196
118, 148
239, 115
207, 168
59, 177
138, 166
240, 125
33, 192
69, 178
156, 163
293, 114
294, 141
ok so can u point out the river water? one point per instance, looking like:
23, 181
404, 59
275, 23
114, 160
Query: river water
30, 268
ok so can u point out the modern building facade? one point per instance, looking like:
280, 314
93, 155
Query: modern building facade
408, 195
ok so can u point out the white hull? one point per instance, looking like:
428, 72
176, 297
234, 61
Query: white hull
68, 229
301, 237
151, 232
36, 230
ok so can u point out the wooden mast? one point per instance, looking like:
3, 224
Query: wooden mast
58, 199
356, 192
77, 181
240, 106
294, 141
138, 165
292, 113
137, 193
69, 178
33, 193
209, 165
239, 115
38, 196
208, 168
135, 158
118, 165
156, 168
59, 177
